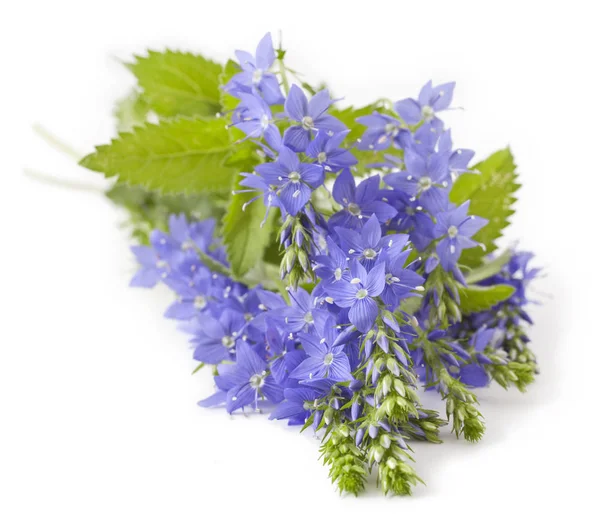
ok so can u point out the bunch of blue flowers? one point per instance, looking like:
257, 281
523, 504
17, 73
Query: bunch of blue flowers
353, 263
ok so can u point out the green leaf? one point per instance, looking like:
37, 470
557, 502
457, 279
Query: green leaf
228, 102
178, 156
178, 83
477, 298
213, 265
131, 111
244, 237
492, 195
489, 268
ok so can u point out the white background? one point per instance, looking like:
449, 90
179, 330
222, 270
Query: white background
97, 405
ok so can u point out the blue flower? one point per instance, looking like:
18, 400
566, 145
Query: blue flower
302, 314
400, 282
332, 266
325, 359
255, 120
382, 131
425, 178
255, 74
359, 203
359, 294
194, 295
455, 228
215, 339
153, 268
458, 162
431, 101
297, 405
367, 244
293, 180
244, 382
311, 115
325, 149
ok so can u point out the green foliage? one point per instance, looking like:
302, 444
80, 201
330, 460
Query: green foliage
178, 83
489, 268
131, 111
184, 155
492, 195
478, 298
245, 238
149, 211
517, 374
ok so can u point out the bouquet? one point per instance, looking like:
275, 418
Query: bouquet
327, 262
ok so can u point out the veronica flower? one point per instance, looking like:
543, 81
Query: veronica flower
400, 282
456, 228
359, 202
152, 269
424, 178
458, 162
255, 72
294, 181
282, 353
215, 339
311, 115
325, 359
359, 294
412, 217
297, 405
367, 244
325, 149
332, 266
431, 101
382, 131
302, 314
474, 374
194, 295
189, 236
255, 120
244, 382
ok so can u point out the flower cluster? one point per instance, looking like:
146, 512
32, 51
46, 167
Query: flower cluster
371, 246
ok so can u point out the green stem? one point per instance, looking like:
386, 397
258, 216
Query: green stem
284, 78
56, 143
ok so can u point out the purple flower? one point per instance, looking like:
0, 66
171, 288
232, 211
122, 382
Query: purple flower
153, 268
325, 359
431, 101
255, 120
302, 314
312, 116
367, 244
215, 339
293, 180
425, 178
255, 74
400, 282
459, 159
358, 294
332, 266
382, 131
456, 229
359, 202
325, 149
282, 353
194, 295
297, 405
244, 382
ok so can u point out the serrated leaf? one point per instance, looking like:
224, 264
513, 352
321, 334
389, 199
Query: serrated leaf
245, 240
131, 111
178, 83
184, 155
492, 195
489, 268
477, 298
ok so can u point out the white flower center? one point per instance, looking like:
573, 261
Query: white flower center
308, 318
338, 274
322, 157
427, 112
187, 245
453, 231
257, 76
425, 183
199, 302
228, 341
264, 122
328, 359
294, 177
369, 253
362, 293
354, 209
257, 381
308, 123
